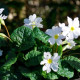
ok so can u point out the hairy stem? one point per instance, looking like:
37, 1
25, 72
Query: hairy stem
7, 30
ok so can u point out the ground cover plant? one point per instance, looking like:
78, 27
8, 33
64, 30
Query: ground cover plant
31, 54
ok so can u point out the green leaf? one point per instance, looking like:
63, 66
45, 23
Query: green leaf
60, 50
11, 59
50, 76
23, 37
76, 47
44, 48
10, 74
65, 69
33, 58
74, 62
28, 73
40, 35
3, 40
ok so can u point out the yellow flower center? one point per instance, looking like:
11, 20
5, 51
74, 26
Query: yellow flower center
69, 44
56, 36
49, 61
72, 28
33, 24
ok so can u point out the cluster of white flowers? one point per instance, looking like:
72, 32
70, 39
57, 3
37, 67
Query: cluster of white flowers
72, 30
57, 34
33, 21
2, 17
69, 33
50, 62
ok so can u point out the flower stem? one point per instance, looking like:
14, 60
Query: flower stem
7, 30
66, 51
56, 48
8, 38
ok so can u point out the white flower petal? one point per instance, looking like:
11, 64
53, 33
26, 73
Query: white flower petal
26, 21
70, 36
51, 41
32, 17
1, 10
49, 32
54, 67
55, 58
76, 22
56, 30
39, 25
38, 20
59, 41
77, 31
4, 17
75, 34
44, 68
70, 22
48, 70
43, 62
65, 29
47, 55
28, 26
71, 43
61, 25
61, 37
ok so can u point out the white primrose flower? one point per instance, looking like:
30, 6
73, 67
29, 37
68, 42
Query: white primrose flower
72, 30
2, 17
50, 62
1, 52
70, 44
55, 34
33, 21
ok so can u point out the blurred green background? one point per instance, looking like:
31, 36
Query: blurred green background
52, 11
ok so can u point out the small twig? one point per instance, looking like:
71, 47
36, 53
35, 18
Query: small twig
7, 30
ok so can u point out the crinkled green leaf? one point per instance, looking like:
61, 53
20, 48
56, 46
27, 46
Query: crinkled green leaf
28, 73
23, 37
44, 48
40, 35
74, 62
10, 74
65, 70
50, 76
33, 58
11, 59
